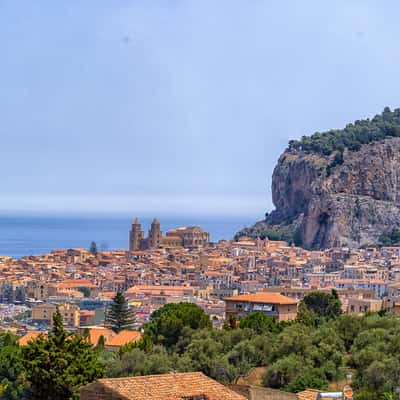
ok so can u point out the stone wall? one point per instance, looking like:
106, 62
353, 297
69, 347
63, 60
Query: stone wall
258, 393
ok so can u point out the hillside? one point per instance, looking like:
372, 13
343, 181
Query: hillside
338, 188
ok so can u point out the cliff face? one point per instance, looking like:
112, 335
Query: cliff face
347, 204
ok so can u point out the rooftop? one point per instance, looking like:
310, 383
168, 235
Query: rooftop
165, 387
264, 297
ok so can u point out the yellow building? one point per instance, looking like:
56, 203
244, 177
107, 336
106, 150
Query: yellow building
45, 312
362, 306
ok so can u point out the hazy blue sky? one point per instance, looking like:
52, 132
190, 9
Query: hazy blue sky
179, 106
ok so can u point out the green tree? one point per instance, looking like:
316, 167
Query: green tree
294, 339
348, 328
308, 378
259, 323
391, 238
137, 362
57, 365
305, 316
13, 384
284, 371
174, 322
245, 356
119, 315
325, 305
352, 137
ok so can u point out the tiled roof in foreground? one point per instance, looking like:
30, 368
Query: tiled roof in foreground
174, 386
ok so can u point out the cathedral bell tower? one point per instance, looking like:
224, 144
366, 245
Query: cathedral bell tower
136, 236
155, 234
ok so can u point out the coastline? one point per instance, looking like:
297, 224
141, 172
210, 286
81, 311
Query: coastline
24, 235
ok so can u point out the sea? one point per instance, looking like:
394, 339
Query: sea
25, 235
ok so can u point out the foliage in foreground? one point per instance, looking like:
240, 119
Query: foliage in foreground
318, 348
48, 368
12, 374
311, 352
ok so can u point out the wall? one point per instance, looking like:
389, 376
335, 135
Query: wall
257, 393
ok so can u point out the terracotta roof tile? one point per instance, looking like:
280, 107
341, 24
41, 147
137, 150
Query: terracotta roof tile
264, 297
95, 333
31, 335
123, 337
166, 387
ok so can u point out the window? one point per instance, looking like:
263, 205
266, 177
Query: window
264, 307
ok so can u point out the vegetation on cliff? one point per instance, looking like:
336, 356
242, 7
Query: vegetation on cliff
268, 230
391, 238
352, 137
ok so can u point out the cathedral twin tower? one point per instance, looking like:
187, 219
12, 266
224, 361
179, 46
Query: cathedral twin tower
136, 236
190, 237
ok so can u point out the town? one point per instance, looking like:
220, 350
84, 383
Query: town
226, 279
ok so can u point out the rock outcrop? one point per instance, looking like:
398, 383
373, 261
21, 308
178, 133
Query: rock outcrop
326, 204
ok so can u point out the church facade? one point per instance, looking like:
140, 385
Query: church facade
189, 237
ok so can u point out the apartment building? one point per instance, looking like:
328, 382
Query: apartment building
272, 304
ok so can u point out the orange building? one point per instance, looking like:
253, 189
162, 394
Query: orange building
272, 304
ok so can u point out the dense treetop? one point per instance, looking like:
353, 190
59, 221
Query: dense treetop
171, 322
352, 136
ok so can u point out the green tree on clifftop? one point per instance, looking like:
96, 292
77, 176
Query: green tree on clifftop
352, 137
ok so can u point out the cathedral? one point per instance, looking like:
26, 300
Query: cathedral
189, 237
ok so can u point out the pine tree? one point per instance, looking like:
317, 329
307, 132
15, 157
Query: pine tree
57, 365
12, 375
119, 316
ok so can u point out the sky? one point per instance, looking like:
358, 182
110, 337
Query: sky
178, 107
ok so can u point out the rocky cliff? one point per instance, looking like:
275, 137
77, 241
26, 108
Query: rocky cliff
326, 200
